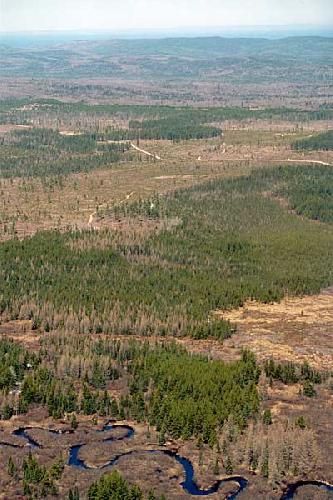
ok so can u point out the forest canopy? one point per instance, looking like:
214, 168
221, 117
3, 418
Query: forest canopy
240, 245
323, 141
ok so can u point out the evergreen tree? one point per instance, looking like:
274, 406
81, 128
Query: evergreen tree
265, 463
74, 494
229, 465
11, 467
113, 487
308, 389
74, 422
267, 417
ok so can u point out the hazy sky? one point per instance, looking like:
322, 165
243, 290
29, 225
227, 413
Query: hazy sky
17, 15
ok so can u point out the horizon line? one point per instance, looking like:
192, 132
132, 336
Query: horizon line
167, 29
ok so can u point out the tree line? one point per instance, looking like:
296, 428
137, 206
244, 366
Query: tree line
22, 111
323, 141
45, 152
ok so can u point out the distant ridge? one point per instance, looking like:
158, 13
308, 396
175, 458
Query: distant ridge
29, 38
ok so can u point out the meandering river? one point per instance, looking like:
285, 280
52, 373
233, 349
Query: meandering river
188, 484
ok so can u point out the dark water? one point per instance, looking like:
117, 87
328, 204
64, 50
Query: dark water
110, 426
22, 432
189, 485
293, 488
74, 460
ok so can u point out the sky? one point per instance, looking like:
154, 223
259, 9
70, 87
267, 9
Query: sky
117, 15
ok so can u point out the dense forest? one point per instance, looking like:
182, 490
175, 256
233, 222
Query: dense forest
308, 189
45, 152
40, 112
181, 395
192, 396
173, 129
323, 141
240, 245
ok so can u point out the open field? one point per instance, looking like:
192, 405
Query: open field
33, 204
293, 330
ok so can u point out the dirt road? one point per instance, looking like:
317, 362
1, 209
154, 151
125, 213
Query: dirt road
145, 152
317, 162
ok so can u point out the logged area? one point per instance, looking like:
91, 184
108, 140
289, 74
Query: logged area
166, 269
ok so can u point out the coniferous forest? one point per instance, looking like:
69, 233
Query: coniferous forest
240, 245
166, 269
323, 141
